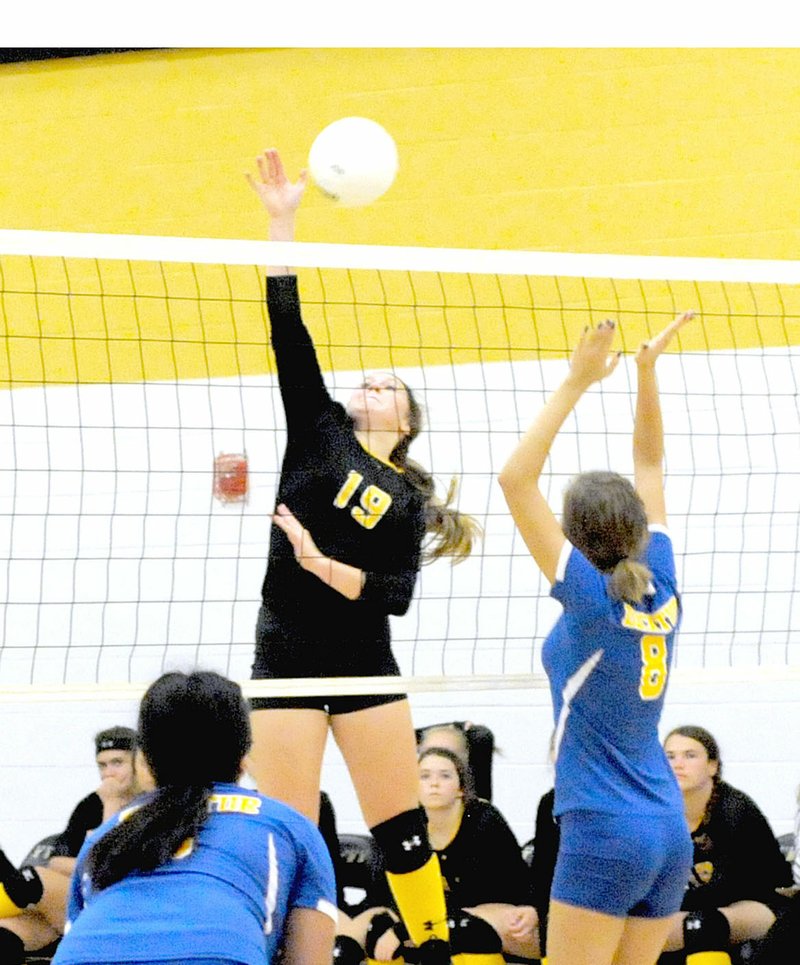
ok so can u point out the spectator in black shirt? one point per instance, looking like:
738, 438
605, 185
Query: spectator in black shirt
485, 877
731, 894
35, 899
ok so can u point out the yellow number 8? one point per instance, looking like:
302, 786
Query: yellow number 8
654, 667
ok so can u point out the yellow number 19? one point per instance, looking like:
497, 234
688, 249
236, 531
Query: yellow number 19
374, 501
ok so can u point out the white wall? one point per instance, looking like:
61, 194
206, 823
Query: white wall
46, 751
119, 563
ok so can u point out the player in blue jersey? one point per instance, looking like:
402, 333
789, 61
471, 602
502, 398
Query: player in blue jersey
200, 870
353, 512
623, 854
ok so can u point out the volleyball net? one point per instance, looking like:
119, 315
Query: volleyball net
141, 435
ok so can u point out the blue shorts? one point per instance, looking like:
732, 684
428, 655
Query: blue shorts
631, 865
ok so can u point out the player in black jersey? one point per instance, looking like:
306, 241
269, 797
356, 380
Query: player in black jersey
345, 548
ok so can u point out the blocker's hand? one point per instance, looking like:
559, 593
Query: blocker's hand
649, 351
593, 359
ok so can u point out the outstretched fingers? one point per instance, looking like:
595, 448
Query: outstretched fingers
650, 350
592, 359
279, 195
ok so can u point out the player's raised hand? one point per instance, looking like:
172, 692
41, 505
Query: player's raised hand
278, 194
593, 359
649, 351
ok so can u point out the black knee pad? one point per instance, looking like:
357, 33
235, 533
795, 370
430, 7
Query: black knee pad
473, 935
434, 951
706, 931
12, 948
379, 925
403, 840
24, 887
347, 951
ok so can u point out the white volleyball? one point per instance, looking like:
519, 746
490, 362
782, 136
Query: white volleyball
353, 161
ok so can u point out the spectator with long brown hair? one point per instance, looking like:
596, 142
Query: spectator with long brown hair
737, 863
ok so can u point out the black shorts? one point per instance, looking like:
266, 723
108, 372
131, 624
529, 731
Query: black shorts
278, 657
331, 704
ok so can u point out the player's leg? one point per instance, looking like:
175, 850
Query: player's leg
26, 932
378, 744
580, 936
285, 760
642, 941
655, 916
52, 906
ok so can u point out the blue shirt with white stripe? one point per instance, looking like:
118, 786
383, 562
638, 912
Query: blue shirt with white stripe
226, 894
608, 664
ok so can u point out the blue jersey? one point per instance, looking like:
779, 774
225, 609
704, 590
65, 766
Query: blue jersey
226, 894
608, 664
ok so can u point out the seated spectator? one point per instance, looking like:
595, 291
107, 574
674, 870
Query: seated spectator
200, 870
114, 754
473, 742
731, 894
33, 905
484, 875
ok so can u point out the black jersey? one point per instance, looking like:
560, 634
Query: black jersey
736, 855
87, 815
358, 508
483, 863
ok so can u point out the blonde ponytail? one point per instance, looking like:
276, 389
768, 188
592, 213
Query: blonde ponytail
629, 580
454, 534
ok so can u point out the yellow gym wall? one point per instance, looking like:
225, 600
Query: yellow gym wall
641, 151
634, 151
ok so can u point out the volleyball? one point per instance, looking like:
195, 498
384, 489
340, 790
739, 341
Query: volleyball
353, 161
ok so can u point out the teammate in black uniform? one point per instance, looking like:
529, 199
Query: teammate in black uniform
485, 877
352, 514
33, 899
737, 863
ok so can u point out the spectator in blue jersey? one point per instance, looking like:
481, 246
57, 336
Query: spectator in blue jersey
200, 870
624, 854
34, 920
731, 894
345, 549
